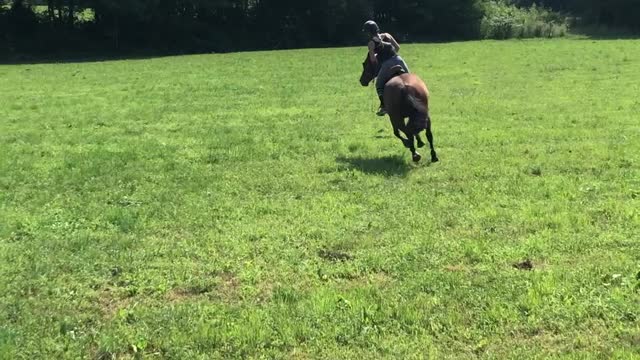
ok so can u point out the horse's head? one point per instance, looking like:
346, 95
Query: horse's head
369, 71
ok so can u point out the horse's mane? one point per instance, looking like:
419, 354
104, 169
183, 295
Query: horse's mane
367, 62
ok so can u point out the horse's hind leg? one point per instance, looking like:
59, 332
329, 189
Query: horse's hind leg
434, 156
398, 124
414, 154
396, 132
410, 143
420, 142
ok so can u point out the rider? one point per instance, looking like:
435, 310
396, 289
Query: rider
383, 51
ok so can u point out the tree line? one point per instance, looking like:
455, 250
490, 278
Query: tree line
90, 26
621, 14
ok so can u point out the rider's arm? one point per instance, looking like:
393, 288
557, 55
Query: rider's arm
372, 53
393, 42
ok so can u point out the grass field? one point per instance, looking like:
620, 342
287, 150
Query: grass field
252, 206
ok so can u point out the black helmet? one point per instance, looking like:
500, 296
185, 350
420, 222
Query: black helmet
371, 27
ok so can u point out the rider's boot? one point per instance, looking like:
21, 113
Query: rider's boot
381, 110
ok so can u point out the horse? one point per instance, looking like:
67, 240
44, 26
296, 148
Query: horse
405, 96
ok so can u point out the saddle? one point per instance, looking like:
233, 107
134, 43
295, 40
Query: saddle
395, 71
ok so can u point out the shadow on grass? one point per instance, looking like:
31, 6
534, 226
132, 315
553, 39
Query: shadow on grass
387, 165
73, 58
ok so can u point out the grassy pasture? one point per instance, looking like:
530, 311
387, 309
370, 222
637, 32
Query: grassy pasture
251, 205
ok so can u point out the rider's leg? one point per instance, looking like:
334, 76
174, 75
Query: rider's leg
381, 80
381, 111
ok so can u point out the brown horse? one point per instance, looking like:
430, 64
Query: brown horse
405, 96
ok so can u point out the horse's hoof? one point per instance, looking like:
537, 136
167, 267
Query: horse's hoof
434, 159
417, 157
421, 145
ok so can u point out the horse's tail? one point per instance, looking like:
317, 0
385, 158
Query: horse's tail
419, 114
413, 101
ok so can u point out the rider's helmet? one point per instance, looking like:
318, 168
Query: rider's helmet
371, 27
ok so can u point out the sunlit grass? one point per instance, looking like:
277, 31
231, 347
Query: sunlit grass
252, 204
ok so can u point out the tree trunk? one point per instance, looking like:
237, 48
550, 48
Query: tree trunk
116, 28
59, 9
51, 11
72, 9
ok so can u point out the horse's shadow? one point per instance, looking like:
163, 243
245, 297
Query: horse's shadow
393, 165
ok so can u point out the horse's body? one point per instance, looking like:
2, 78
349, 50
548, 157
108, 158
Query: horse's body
405, 96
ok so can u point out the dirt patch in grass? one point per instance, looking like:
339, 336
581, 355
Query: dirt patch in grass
456, 268
378, 280
526, 265
225, 288
334, 256
111, 302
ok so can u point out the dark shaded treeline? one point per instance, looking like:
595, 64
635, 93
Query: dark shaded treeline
174, 26
621, 14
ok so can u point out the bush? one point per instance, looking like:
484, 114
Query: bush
503, 20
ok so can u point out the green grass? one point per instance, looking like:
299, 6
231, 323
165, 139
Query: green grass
251, 205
